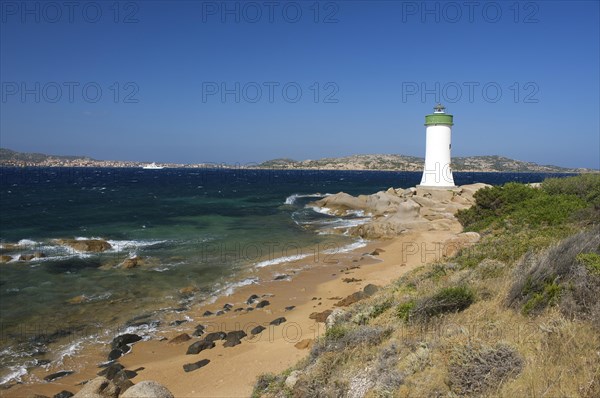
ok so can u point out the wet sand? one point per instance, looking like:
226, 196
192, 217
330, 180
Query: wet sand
315, 285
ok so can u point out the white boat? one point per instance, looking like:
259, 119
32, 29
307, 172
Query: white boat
152, 166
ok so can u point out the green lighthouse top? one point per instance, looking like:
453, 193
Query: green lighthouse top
439, 116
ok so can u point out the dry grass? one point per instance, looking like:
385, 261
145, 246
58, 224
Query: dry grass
485, 348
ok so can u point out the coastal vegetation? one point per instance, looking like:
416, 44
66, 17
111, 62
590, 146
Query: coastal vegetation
517, 314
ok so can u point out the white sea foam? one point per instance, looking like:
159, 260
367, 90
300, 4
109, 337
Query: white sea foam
280, 260
132, 246
322, 210
290, 200
348, 248
232, 287
15, 374
28, 243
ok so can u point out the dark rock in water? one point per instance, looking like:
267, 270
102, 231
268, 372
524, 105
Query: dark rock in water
132, 262
257, 329
26, 257
220, 312
110, 371
238, 309
125, 339
44, 339
58, 375
262, 304
86, 245
177, 322
200, 346
227, 307
280, 277
215, 336
115, 354
139, 318
181, 338
151, 323
42, 362
72, 265
207, 313
291, 307
278, 321
252, 299
350, 280
370, 289
249, 309
188, 367
63, 394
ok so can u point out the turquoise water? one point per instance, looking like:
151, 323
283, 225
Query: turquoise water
192, 227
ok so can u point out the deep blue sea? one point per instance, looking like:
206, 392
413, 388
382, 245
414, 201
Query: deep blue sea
192, 227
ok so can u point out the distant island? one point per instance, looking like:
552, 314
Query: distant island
10, 158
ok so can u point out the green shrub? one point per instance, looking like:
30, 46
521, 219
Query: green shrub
450, 299
549, 295
562, 274
584, 186
517, 205
380, 308
591, 261
335, 332
404, 310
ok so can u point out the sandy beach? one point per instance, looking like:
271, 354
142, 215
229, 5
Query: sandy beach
233, 371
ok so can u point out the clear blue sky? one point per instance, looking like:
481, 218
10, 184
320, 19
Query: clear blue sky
371, 61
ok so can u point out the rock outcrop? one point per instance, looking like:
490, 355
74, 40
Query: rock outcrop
396, 211
100, 387
148, 389
86, 245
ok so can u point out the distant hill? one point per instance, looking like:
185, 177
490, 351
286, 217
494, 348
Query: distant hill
413, 163
7, 155
354, 162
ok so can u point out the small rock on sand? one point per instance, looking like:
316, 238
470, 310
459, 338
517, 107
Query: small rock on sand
263, 304
182, 338
215, 336
278, 321
198, 346
351, 299
257, 329
320, 316
188, 367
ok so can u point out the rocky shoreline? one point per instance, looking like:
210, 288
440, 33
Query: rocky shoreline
253, 325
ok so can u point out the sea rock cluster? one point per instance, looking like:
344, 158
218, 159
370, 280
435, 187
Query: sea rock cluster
397, 211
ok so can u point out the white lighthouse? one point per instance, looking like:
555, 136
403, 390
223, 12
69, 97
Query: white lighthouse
438, 171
